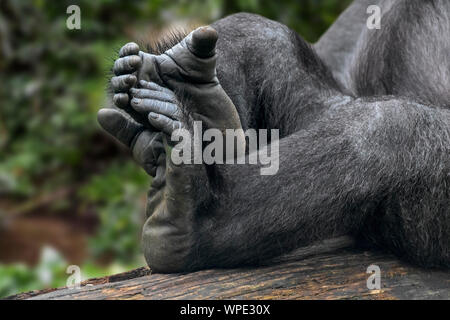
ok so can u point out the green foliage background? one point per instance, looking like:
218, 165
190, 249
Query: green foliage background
53, 81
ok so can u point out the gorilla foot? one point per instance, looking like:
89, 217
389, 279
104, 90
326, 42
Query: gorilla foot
188, 69
173, 88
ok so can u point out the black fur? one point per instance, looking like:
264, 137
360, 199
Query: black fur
364, 150
166, 39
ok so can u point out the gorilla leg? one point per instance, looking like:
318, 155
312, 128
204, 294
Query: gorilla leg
408, 56
378, 165
338, 46
347, 170
369, 166
380, 168
273, 76
362, 166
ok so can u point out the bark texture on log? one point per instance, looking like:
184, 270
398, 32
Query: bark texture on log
341, 275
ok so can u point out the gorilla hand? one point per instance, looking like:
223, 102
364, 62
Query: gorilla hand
126, 68
146, 145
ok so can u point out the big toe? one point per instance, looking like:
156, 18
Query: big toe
203, 42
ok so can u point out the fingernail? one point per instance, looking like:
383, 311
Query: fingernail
136, 101
154, 115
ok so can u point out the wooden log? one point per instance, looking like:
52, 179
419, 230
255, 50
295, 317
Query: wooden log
341, 275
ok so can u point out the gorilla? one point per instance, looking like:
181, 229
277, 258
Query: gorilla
364, 136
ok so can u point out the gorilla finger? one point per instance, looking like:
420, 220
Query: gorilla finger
123, 83
119, 125
146, 150
163, 123
150, 105
154, 86
160, 177
153, 94
129, 49
127, 65
121, 100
